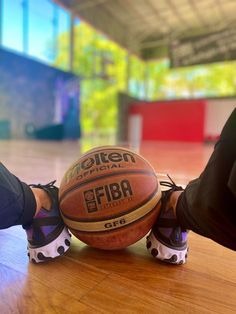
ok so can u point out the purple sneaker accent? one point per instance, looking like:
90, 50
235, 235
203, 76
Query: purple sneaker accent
167, 240
47, 236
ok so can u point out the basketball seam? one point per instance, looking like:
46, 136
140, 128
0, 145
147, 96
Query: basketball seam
114, 216
129, 218
76, 186
118, 227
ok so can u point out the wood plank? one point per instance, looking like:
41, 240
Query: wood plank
127, 281
68, 276
20, 293
119, 295
205, 257
201, 283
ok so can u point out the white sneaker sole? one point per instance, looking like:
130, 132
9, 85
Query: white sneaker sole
52, 250
164, 253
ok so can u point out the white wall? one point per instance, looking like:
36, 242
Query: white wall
217, 112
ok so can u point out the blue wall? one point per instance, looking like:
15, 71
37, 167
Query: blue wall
28, 92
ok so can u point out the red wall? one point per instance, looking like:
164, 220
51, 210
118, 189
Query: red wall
171, 121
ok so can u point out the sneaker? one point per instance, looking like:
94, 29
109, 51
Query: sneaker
47, 236
167, 240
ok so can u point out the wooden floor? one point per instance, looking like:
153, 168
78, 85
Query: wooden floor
88, 280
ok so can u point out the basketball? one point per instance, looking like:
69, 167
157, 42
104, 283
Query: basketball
110, 197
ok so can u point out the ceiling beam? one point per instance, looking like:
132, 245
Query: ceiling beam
87, 4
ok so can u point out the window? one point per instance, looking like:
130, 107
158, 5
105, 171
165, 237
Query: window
12, 24
41, 14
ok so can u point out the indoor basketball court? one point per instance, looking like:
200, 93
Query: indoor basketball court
46, 134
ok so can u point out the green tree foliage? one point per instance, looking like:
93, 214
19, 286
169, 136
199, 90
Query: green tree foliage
212, 80
103, 67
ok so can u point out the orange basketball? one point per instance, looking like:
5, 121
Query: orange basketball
109, 198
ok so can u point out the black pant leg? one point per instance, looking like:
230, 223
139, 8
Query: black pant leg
208, 204
17, 201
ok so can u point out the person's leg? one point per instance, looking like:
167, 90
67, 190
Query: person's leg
36, 208
17, 202
208, 204
42, 199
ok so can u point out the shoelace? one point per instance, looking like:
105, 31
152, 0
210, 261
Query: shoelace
42, 186
48, 188
173, 187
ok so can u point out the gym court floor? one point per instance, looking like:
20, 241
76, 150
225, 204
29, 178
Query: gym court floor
88, 280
